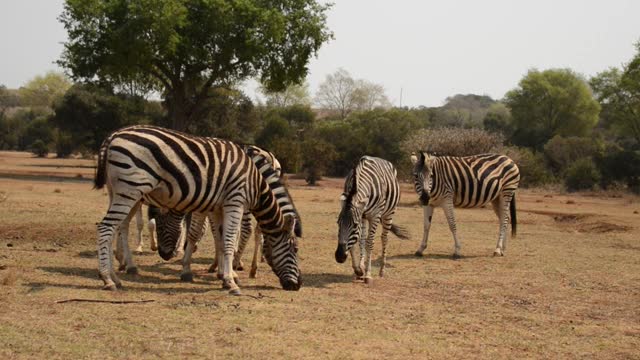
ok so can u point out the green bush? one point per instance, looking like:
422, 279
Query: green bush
533, 171
39, 148
618, 165
561, 152
582, 175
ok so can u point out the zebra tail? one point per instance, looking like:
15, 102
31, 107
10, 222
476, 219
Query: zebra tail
400, 232
100, 178
514, 220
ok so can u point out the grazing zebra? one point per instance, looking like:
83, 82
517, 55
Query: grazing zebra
371, 193
467, 182
183, 174
269, 167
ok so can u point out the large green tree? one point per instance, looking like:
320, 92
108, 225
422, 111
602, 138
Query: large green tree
183, 48
548, 103
619, 94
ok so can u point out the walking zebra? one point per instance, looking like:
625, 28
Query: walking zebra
467, 182
180, 174
371, 193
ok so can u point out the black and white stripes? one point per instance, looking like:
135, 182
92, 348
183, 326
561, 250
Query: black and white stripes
371, 193
183, 173
468, 182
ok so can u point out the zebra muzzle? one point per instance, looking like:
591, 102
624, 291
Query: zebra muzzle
341, 254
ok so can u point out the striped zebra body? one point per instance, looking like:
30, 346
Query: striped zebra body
467, 182
371, 194
183, 174
270, 168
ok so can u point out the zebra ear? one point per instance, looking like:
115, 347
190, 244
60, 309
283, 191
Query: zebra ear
414, 158
428, 160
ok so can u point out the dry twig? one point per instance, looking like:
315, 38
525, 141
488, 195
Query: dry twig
105, 301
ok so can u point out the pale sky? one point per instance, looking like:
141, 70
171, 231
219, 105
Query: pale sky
427, 49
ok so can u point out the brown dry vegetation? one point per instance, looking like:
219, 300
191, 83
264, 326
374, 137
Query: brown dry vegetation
567, 287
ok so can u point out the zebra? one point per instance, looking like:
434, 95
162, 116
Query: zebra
467, 182
371, 193
271, 170
180, 174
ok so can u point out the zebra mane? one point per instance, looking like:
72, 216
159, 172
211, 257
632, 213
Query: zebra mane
350, 186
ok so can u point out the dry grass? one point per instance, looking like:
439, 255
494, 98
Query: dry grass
567, 287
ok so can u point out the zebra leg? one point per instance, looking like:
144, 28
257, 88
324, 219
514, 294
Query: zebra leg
120, 207
257, 245
245, 234
373, 224
386, 226
428, 215
140, 225
357, 262
448, 211
151, 226
232, 218
501, 208
123, 243
194, 234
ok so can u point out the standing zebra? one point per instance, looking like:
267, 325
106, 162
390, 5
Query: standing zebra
371, 193
181, 173
467, 182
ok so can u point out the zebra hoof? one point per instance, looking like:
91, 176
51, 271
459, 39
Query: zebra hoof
212, 269
252, 273
132, 271
186, 277
239, 267
154, 248
418, 254
122, 267
235, 292
498, 253
358, 272
110, 287
456, 256
220, 276
138, 250
368, 281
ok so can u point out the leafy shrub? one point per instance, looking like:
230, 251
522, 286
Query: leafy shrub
561, 152
64, 144
39, 148
453, 141
618, 165
533, 171
582, 175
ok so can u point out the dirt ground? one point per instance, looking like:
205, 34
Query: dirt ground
568, 286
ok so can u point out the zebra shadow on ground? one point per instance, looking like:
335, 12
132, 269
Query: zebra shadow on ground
93, 274
432, 256
38, 286
321, 280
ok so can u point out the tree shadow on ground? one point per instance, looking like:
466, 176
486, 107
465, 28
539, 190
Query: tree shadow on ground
321, 280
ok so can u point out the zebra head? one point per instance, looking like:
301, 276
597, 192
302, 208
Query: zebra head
349, 219
280, 249
169, 228
422, 175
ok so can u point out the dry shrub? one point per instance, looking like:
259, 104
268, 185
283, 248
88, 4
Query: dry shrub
453, 141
